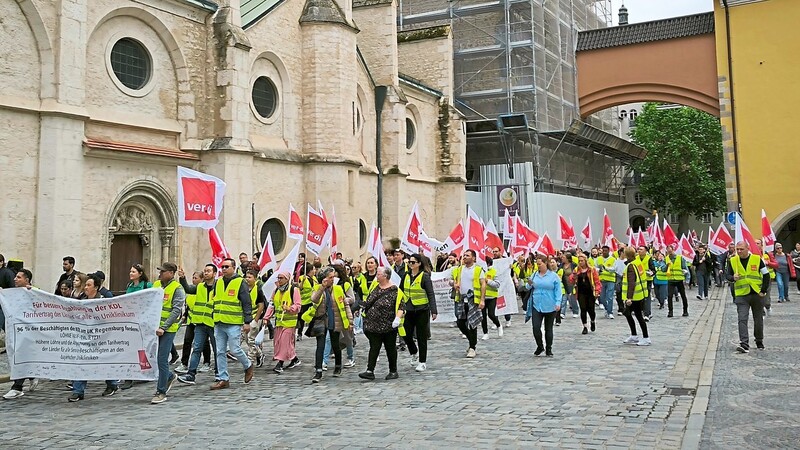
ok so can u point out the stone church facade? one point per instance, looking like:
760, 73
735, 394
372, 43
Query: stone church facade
100, 100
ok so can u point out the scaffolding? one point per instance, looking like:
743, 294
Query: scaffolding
518, 57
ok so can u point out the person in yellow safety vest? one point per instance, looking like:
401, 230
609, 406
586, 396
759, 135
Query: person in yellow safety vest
330, 312
645, 260
385, 305
469, 284
608, 280
258, 303
678, 274
232, 315
634, 294
592, 260
771, 264
488, 312
750, 279
171, 311
347, 337
285, 308
420, 308
306, 282
188, 334
660, 279
202, 313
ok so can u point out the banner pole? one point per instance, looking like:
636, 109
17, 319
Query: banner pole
179, 246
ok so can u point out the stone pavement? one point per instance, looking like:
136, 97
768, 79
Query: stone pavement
755, 398
595, 393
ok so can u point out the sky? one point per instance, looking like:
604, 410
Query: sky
647, 10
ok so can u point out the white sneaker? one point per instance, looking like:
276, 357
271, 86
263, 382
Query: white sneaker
324, 366
350, 363
421, 367
611, 316
619, 313
644, 342
631, 340
500, 331
12, 394
34, 385
508, 324
204, 368
574, 316
463, 336
414, 359
485, 337
471, 353
181, 369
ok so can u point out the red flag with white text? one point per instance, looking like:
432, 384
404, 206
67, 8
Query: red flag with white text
743, 234
670, 238
767, 233
410, 241
267, 259
296, 229
199, 199
455, 240
492, 240
316, 232
218, 250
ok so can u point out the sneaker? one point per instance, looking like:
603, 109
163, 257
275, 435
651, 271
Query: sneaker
325, 367
760, 346
110, 390
669, 315
463, 336
485, 337
644, 342
631, 340
685, 314
558, 323
563, 316
471, 353
12, 394
391, 376
585, 331
171, 381
742, 349
204, 368
500, 331
278, 367
230, 356
508, 324
593, 327
647, 318
181, 369
619, 313
574, 316
159, 398
421, 367
611, 316
295, 362
259, 360
69, 386
548, 354
367, 375
317, 377
538, 351
350, 363
414, 359
699, 297
337, 371
187, 379
175, 359
75, 398
34, 385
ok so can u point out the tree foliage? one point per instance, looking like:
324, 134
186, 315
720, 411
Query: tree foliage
683, 171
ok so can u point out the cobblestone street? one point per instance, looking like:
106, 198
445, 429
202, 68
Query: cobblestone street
595, 393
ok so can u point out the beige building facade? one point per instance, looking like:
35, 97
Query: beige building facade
101, 100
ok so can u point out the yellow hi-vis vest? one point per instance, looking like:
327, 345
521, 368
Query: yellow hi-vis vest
166, 306
282, 301
227, 308
190, 299
749, 276
203, 310
675, 268
338, 300
608, 273
641, 268
253, 298
639, 290
476, 282
560, 274
645, 262
771, 271
412, 288
307, 285
491, 274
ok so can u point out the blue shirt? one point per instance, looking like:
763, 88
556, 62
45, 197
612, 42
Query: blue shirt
546, 291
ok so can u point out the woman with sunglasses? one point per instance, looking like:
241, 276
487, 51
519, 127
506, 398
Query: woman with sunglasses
420, 307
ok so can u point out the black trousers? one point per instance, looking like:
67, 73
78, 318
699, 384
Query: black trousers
337, 350
417, 323
388, 341
675, 288
186, 351
300, 323
547, 319
637, 309
490, 304
17, 386
586, 303
463, 326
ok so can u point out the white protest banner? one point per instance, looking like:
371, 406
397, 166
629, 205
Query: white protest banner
66, 339
441, 290
506, 293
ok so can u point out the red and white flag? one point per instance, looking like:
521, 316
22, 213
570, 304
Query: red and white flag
372, 239
694, 237
586, 232
410, 241
608, 232
287, 265
632, 237
455, 240
317, 231
524, 238
267, 259
710, 242
333, 234
642, 242
491, 240
218, 250
566, 233
296, 229
722, 239
508, 225
767, 233
685, 248
199, 199
670, 238
427, 244
544, 246
743, 234
474, 234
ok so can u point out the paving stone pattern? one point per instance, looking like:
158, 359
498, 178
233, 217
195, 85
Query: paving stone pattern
755, 398
595, 393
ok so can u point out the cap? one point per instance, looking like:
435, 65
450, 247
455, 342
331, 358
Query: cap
168, 267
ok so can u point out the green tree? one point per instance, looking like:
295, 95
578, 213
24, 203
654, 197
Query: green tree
683, 172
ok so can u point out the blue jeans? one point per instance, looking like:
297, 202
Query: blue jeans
164, 351
703, 280
573, 304
229, 336
661, 293
327, 351
201, 334
607, 296
79, 387
783, 285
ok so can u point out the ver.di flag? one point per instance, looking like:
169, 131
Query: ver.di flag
296, 228
317, 230
199, 198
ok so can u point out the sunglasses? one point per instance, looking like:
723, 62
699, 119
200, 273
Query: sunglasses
413, 262
225, 267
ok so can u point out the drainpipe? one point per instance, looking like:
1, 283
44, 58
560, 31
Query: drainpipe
380, 98
733, 104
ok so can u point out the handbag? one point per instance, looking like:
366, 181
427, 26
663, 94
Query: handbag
315, 328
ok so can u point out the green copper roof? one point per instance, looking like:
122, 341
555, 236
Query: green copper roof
253, 10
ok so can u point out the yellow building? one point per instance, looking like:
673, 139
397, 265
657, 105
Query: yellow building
758, 42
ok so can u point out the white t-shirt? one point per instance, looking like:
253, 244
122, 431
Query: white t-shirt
467, 275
